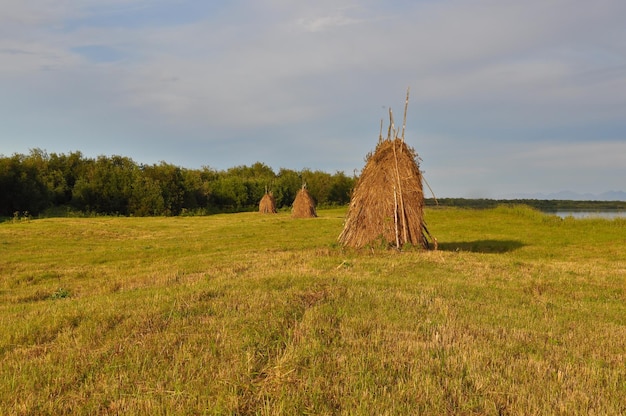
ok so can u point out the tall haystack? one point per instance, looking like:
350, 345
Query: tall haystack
268, 203
303, 205
387, 203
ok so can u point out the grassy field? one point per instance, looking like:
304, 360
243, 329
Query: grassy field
517, 313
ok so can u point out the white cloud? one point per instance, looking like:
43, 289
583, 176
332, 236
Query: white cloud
331, 17
485, 74
480, 52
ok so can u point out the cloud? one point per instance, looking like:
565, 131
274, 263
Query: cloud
329, 18
490, 80
603, 155
99, 53
485, 53
505, 168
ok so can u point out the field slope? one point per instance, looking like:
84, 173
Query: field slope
516, 313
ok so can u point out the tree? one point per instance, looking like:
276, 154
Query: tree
229, 193
196, 188
106, 186
21, 187
146, 198
170, 180
340, 189
63, 171
117, 185
288, 183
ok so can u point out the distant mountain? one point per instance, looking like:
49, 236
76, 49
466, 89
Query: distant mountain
613, 196
571, 196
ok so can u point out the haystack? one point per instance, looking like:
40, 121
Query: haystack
387, 203
303, 205
267, 204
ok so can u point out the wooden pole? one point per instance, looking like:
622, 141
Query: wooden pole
391, 127
406, 106
431, 189
395, 216
404, 226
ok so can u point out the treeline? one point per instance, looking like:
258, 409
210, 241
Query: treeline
116, 185
546, 205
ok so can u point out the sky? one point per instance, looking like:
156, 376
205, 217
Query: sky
507, 98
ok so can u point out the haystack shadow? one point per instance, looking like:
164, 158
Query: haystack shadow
482, 246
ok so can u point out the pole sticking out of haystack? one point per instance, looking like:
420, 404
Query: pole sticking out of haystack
392, 128
406, 107
387, 204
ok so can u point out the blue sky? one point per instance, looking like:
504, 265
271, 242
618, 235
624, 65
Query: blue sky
507, 97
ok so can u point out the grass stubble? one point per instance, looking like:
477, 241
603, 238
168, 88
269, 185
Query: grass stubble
517, 313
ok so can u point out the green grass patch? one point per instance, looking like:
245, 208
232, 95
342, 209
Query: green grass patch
516, 313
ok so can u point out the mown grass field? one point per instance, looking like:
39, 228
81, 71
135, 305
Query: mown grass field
517, 313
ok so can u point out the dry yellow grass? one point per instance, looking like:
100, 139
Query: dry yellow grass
516, 314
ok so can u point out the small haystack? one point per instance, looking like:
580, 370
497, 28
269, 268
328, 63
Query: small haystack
387, 204
303, 205
268, 203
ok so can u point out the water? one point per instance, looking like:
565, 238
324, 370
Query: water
606, 214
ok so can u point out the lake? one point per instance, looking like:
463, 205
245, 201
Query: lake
606, 214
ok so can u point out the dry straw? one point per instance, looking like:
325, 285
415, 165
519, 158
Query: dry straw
303, 205
268, 203
387, 204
